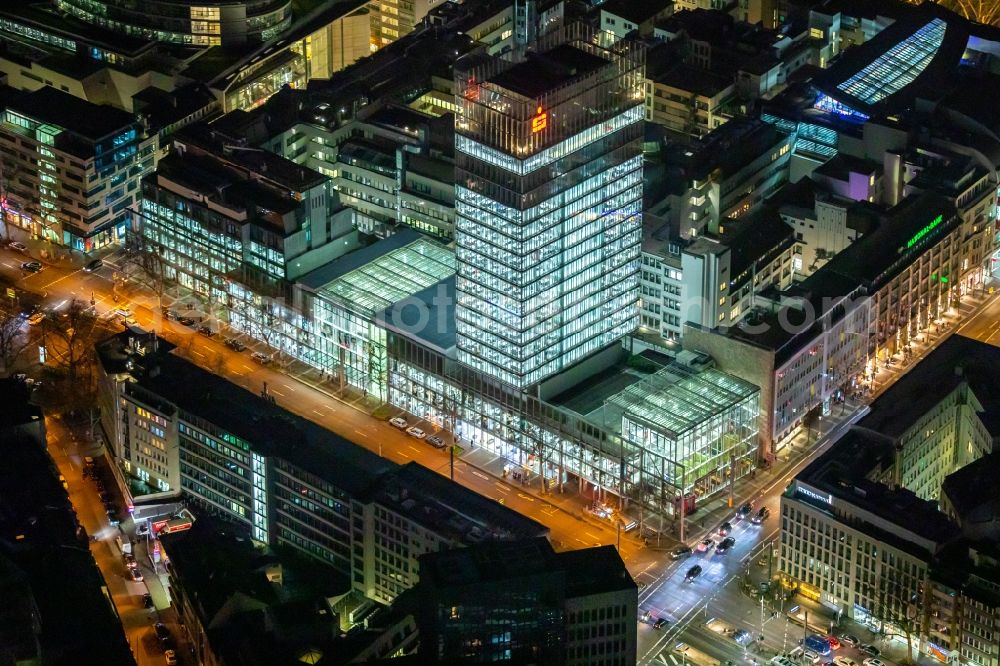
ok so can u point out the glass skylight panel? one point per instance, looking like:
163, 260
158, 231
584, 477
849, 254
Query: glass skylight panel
899, 66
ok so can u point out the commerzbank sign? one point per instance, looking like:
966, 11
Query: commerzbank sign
923, 232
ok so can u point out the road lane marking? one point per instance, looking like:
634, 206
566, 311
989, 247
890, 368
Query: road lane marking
595, 538
316, 411
197, 353
525, 497
412, 448
481, 475
501, 487
276, 393
290, 388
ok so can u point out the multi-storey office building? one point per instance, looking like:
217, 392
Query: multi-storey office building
861, 530
548, 202
523, 603
237, 226
284, 479
222, 22
70, 169
826, 334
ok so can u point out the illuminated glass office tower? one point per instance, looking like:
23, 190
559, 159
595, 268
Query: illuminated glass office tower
549, 204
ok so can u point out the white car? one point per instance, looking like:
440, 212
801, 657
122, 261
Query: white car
810, 656
399, 422
261, 357
844, 661
36, 319
416, 432
20, 247
872, 661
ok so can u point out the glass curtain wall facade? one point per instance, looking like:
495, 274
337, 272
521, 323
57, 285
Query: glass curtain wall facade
548, 206
697, 432
655, 452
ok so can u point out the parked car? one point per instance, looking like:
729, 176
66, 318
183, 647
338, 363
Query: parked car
705, 545
168, 314
680, 552
170, 657
725, 545
692, 573
761, 515
135, 574
725, 529
31, 266
810, 656
834, 643
147, 600
186, 321
870, 650
235, 344
36, 319
659, 623
743, 637
206, 330
93, 265
129, 561
261, 357
20, 247
848, 639
872, 661
399, 422
142, 529
416, 432
436, 442
844, 661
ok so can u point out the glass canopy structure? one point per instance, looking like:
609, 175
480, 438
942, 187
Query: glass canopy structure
392, 277
897, 67
347, 336
687, 430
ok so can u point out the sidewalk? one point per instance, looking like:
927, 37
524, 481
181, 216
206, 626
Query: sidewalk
925, 342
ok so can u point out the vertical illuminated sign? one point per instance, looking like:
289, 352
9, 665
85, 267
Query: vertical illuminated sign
540, 121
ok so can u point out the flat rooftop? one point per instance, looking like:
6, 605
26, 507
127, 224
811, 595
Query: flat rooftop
262, 163
269, 429
849, 471
52, 106
900, 239
392, 277
443, 506
543, 72
955, 361
584, 572
677, 398
427, 316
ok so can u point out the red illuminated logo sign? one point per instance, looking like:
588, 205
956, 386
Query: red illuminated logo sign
540, 121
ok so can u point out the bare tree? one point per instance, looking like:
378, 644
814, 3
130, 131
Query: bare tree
144, 258
69, 338
12, 337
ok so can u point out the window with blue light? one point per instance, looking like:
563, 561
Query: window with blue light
830, 105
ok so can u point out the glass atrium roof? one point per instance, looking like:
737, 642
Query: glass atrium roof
676, 399
392, 277
897, 67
